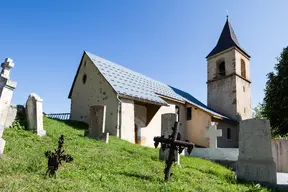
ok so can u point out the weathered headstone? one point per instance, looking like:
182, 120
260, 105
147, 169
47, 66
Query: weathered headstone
167, 123
34, 114
213, 133
11, 115
97, 118
6, 93
255, 161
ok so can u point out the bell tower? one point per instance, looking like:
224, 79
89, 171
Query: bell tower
228, 78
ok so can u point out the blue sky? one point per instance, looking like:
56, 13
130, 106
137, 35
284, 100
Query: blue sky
164, 39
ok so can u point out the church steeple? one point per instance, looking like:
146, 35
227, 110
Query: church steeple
227, 40
228, 77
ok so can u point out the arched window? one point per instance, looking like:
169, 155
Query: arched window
243, 68
221, 72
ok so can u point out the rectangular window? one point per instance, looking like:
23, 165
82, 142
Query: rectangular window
228, 133
189, 113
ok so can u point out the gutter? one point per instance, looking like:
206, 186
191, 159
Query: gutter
119, 117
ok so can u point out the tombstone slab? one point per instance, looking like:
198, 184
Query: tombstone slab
7, 87
167, 122
97, 118
34, 114
255, 161
213, 133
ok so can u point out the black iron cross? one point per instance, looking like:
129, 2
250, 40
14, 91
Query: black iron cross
175, 145
55, 158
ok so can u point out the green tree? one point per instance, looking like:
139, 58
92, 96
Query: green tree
275, 105
258, 111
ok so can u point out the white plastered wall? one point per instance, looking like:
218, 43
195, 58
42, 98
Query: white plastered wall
95, 91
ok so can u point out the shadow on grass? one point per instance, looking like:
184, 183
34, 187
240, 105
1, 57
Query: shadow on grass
138, 176
228, 178
231, 179
269, 186
74, 124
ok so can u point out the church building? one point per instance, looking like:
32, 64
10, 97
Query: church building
134, 102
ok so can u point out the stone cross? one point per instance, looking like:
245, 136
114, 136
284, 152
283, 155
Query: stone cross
213, 133
6, 93
174, 145
34, 114
6, 66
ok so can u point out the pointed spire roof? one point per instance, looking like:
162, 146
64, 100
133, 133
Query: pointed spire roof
227, 40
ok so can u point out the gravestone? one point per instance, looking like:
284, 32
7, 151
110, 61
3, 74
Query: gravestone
167, 123
11, 115
255, 161
97, 118
34, 114
7, 87
213, 133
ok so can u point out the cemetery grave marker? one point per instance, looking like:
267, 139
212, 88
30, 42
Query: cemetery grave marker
213, 133
55, 158
34, 114
174, 145
255, 162
97, 118
7, 87
167, 122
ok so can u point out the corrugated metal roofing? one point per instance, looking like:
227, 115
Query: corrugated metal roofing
130, 83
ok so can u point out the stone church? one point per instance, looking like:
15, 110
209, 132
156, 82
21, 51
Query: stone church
135, 103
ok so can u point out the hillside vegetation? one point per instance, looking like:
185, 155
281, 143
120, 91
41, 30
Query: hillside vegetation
117, 166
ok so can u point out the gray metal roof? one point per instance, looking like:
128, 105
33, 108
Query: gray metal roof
132, 84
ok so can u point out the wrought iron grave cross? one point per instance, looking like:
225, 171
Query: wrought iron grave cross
55, 158
174, 145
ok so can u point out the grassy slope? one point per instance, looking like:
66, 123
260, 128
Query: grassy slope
117, 166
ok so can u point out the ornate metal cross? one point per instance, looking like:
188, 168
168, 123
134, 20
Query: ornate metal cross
174, 145
55, 158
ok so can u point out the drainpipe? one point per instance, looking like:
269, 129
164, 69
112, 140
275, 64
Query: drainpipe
119, 117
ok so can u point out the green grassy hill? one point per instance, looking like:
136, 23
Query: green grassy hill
117, 166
